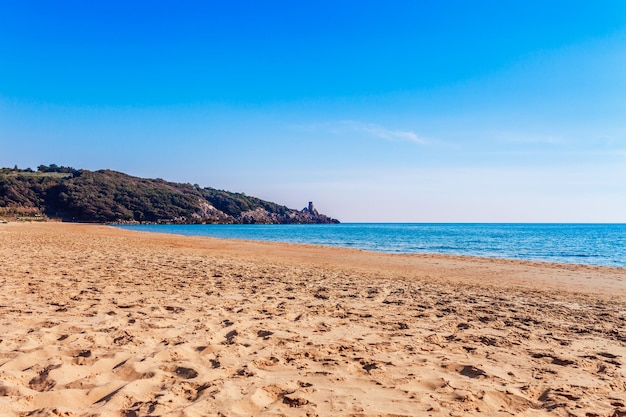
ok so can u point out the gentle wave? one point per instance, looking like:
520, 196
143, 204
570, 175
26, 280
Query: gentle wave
592, 244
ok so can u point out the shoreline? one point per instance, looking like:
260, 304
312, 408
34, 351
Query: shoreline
547, 257
403, 262
98, 320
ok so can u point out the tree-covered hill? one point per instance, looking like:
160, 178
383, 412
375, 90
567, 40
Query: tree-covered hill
107, 196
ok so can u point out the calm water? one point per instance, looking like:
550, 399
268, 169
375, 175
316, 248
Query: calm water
593, 244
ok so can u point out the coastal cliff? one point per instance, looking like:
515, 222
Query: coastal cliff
107, 196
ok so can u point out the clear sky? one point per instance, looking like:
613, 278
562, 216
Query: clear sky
420, 111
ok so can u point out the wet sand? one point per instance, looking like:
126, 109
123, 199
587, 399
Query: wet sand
96, 320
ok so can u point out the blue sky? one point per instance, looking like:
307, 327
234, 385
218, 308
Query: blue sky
377, 111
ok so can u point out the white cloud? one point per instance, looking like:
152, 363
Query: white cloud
384, 133
523, 138
372, 129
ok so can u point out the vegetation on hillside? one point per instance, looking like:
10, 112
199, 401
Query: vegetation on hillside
107, 196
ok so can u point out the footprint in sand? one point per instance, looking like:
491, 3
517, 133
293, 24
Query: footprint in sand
187, 373
41, 382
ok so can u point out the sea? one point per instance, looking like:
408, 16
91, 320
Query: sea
589, 244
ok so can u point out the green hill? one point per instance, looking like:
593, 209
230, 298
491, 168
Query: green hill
107, 196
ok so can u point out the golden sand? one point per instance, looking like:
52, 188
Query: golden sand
96, 320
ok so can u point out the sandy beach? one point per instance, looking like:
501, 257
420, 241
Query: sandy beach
99, 321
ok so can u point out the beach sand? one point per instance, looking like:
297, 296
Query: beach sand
99, 321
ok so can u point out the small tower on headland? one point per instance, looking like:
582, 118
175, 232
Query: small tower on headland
311, 209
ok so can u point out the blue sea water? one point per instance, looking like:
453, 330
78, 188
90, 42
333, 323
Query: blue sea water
591, 244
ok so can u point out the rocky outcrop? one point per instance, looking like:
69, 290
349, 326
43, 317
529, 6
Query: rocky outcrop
305, 216
208, 213
259, 215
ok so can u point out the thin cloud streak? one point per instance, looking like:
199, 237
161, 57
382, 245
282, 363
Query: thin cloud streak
387, 134
371, 129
